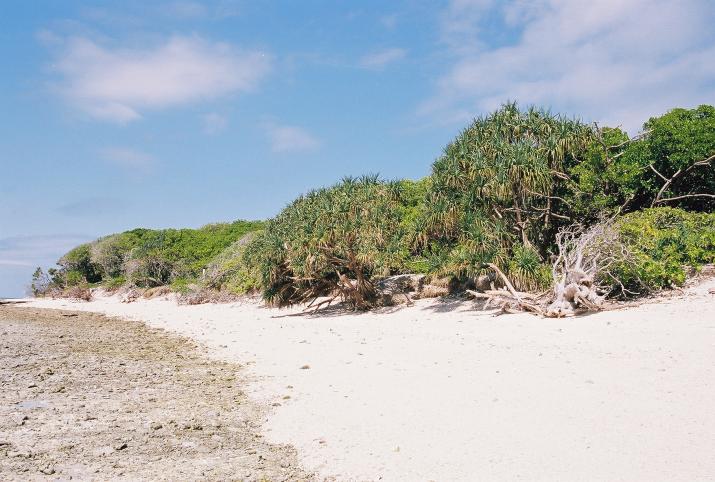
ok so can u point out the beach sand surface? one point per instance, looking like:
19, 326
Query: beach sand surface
441, 391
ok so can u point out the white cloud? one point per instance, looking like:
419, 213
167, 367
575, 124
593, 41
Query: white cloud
118, 84
128, 158
610, 61
14, 262
380, 59
285, 138
214, 123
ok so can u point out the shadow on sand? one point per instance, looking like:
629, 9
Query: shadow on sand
439, 305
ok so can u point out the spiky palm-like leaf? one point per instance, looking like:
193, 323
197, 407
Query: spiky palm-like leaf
497, 186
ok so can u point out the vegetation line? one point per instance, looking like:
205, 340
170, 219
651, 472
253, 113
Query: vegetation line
538, 202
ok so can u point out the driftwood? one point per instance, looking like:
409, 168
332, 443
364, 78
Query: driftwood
581, 275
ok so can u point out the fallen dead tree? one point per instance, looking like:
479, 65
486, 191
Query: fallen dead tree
581, 272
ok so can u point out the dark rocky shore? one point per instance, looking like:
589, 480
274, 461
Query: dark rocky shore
83, 396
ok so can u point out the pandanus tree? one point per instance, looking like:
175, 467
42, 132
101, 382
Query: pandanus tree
498, 191
333, 242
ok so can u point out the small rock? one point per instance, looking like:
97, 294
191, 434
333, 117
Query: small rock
155, 425
305, 367
120, 446
21, 419
20, 454
32, 385
49, 470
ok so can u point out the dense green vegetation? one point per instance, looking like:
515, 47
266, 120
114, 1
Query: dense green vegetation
670, 164
338, 239
147, 257
666, 243
499, 194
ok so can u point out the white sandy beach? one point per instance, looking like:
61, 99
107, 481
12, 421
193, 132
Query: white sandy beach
438, 391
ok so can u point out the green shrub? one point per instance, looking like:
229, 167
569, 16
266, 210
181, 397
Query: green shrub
335, 239
115, 283
498, 193
236, 269
664, 242
148, 258
74, 278
180, 285
79, 261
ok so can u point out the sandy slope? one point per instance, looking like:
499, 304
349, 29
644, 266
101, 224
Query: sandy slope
438, 391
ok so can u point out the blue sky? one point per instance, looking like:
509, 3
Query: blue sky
178, 113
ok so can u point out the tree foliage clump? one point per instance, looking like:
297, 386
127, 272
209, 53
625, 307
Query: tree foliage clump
499, 192
78, 266
670, 163
147, 257
334, 241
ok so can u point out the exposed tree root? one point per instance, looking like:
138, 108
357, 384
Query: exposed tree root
585, 257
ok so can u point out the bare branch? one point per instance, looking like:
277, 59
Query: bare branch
657, 172
634, 138
678, 173
683, 197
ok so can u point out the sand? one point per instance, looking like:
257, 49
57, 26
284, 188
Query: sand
440, 391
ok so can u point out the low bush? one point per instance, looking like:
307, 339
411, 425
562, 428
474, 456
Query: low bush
335, 241
236, 269
149, 258
665, 243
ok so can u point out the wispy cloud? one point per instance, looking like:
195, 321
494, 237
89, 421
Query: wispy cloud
33, 251
214, 123
389, 21
611, 61
119, 84
284, 138
92, 207
382, 58
128, 158
185, 9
